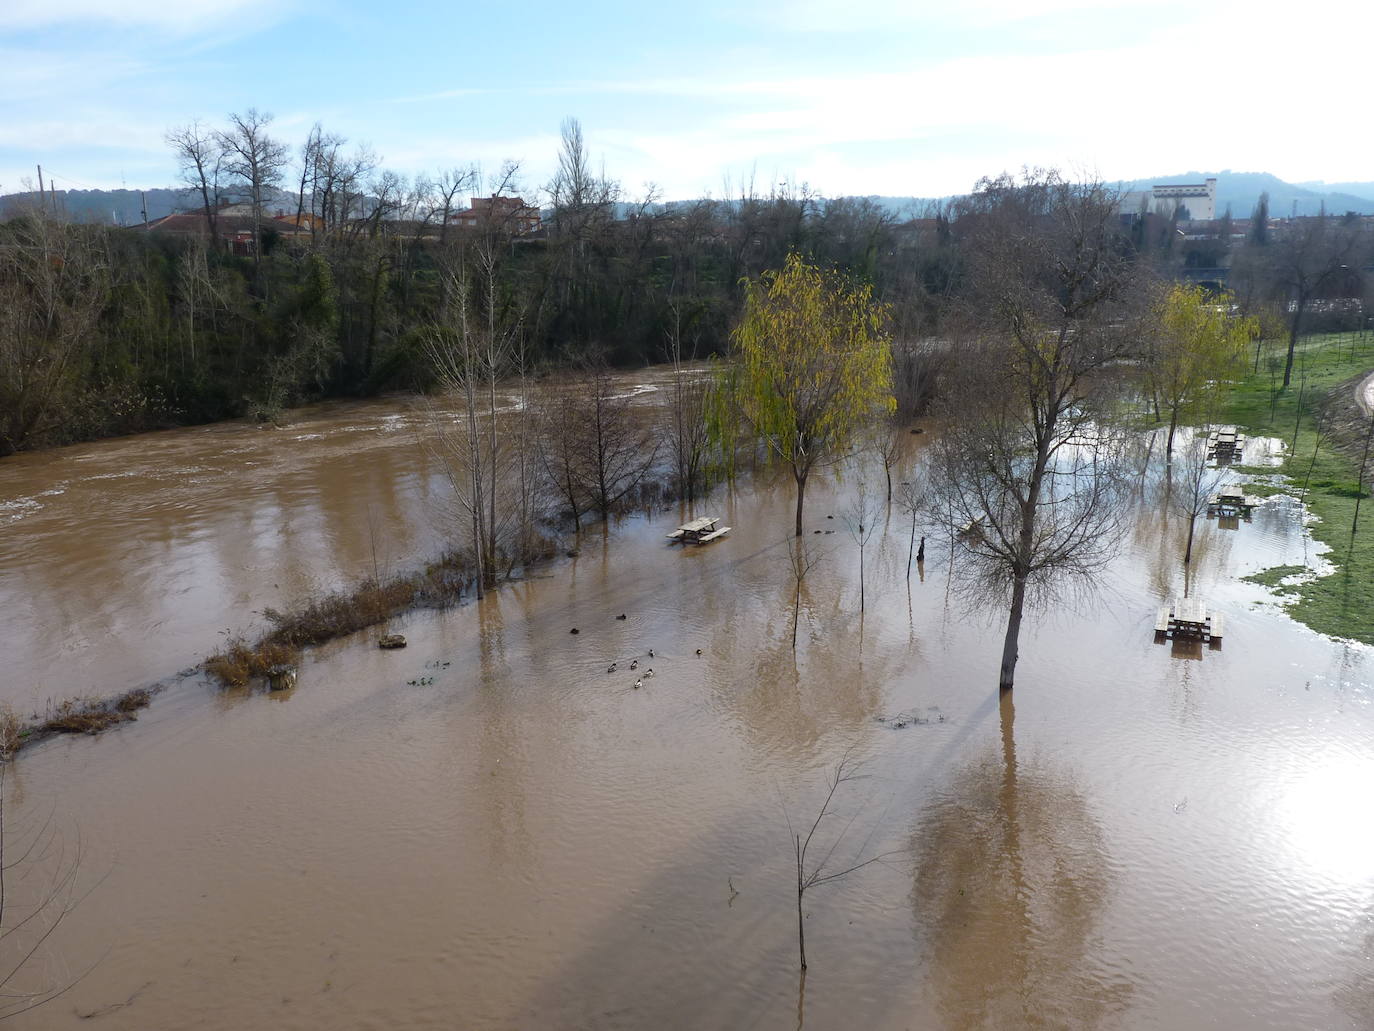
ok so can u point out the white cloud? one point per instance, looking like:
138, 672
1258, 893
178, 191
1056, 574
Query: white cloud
176, 16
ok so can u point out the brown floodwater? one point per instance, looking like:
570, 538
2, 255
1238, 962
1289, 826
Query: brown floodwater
1152, 836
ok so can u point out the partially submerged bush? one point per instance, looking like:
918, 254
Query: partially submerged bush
11, 731
70, 716
240, 661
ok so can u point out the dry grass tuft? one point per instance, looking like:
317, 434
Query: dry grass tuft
140, 698
240, 661
337, 615
11, 732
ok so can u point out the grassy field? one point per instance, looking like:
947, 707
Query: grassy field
1325, 371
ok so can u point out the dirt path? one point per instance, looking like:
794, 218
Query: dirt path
1364, 394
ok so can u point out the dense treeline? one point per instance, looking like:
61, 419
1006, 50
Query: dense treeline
108, 330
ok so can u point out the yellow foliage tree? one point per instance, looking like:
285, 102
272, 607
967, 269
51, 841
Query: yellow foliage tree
814, 364
1199, 348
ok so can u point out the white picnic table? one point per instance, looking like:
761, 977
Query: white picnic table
699, 531
1188, 617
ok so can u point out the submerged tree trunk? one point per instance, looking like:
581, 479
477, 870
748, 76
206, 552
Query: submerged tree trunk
1009, 650
801, 498
1188, 552
801, 923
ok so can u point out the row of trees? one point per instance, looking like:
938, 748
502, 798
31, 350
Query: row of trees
116, 330
1062, 329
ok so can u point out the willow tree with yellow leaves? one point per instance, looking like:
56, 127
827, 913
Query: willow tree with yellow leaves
814, 364
1199, 347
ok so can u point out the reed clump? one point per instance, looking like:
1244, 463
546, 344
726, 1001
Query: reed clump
339, 614
240, 661
11, 731
70, 716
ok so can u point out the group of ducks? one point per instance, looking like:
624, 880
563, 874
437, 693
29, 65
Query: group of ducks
634, 663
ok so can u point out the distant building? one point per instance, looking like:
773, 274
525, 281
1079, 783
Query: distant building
233, 226
1189, 201
510, 212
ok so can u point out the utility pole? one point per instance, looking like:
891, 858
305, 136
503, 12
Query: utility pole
42, 193
144, 198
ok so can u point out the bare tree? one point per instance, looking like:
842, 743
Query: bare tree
472, 350
560, 429
887, 439
53, 287
809, 876
257, 160
688, 429
1198, 481
801, 559
199, 157
860, 519
1029, 458
618, 448
1311, 256
451, 183
40, 885
912, 500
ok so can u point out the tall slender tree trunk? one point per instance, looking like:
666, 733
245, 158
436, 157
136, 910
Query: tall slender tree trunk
1188, 552
1009, 649
801, 923
911, 547
800, 477
1173, 425
1293, 331
861, 578
796, 615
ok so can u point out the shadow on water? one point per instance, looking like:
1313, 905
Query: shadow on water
1011, 885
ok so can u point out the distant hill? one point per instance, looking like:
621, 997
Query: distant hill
1238, 190
1364, 191
110, 207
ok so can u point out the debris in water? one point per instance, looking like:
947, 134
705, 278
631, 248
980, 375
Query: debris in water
392, 641
281, 677
911, 718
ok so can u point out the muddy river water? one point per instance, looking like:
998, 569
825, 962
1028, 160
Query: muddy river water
1149, 835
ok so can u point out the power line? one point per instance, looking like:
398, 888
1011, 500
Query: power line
69, 179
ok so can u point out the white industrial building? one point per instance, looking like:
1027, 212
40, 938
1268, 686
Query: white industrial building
1189, 200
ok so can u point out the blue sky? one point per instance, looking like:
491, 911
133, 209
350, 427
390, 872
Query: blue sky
864, 96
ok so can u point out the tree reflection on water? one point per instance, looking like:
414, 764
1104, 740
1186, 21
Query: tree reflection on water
1010, 887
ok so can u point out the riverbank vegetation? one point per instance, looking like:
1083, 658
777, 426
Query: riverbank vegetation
1325, 463
311, 271
1029, 308
1057, 319
326, 617
69, 716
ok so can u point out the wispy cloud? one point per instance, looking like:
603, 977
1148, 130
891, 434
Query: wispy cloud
174, 16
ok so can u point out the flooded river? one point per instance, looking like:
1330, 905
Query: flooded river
1151, 836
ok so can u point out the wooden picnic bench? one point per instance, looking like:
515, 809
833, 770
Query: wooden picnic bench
1231, 500
1225, 442
699, 531
1188, 617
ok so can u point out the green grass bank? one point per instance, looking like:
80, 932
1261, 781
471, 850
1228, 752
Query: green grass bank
1324, 429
